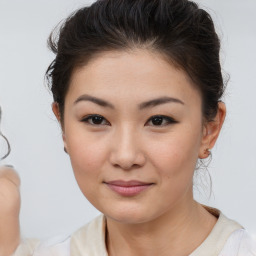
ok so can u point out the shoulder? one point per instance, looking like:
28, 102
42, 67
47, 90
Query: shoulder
90, 239
227, 238
241, 243
86, 240
26, 247
56, 246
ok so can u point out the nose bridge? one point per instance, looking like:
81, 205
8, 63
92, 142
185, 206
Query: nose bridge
128, 135
126, 147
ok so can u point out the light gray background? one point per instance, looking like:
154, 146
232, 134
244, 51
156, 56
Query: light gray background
51, 200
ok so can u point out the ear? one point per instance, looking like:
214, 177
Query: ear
211, 131
56, 111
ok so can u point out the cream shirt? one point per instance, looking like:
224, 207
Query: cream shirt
227, 238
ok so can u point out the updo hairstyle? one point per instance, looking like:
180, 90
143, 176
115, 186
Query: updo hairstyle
179, 30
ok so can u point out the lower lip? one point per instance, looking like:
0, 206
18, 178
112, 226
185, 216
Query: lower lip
128, 191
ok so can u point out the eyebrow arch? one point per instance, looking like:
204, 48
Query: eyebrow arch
101, 102
143, 105
158, 101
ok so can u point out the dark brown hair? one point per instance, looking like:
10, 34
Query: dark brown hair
178, 29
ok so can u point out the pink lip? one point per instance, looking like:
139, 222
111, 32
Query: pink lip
128, 188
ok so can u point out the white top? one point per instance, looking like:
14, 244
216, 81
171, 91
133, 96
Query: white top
227, 238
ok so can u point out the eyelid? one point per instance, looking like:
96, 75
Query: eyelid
169, 119
89, 117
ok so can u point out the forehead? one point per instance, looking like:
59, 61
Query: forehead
137, 75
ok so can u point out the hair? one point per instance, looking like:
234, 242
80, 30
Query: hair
177, 29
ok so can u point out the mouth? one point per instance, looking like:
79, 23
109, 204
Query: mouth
128, 188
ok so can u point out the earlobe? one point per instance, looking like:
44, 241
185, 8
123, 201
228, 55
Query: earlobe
211, 131
64, 141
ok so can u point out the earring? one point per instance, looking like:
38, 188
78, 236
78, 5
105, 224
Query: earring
65, 150
207, 151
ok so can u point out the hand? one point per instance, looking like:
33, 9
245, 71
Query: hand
9, 210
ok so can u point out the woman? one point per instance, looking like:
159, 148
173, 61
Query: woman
137, 89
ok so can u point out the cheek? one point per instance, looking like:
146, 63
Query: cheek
86, 154
175, 159
86, 160
175, 163
177, 153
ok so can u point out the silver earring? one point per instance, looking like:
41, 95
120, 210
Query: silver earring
207, 151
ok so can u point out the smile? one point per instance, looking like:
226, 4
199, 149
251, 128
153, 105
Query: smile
128, 188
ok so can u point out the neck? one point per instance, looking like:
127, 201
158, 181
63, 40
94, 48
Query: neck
178, 232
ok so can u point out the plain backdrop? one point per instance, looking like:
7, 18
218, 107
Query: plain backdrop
52, 203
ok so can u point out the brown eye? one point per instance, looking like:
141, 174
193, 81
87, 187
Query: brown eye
160, 120
94, 120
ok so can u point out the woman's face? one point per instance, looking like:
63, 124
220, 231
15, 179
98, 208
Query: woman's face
134, 147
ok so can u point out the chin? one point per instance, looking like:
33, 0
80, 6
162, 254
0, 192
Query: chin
129, 215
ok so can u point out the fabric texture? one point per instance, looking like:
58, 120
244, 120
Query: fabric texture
240, 243
227, 238
26, 247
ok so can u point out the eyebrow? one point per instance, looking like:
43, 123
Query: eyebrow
143, 105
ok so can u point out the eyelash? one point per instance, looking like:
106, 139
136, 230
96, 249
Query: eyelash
167, 118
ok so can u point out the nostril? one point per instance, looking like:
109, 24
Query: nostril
127, 167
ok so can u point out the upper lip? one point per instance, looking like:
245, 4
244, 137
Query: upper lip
129, 183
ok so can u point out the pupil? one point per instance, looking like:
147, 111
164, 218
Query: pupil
157, 120
97, 119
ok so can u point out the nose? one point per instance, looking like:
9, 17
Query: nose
127, 152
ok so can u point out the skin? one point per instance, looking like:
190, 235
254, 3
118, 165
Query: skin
9, 210
128, 145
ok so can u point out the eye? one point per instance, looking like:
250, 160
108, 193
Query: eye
95, 120
158, 120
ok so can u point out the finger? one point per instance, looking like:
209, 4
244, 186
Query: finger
8, 172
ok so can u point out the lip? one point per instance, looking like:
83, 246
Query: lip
128, 188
